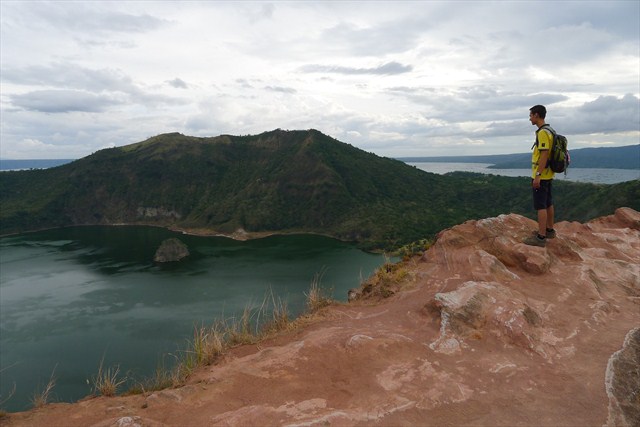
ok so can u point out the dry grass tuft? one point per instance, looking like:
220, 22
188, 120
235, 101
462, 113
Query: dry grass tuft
315, 297
42, 395
238, 331
108, 380
208, 344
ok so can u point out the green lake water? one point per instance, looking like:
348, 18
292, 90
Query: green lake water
71, 297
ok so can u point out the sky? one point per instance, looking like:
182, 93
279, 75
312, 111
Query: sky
399, 79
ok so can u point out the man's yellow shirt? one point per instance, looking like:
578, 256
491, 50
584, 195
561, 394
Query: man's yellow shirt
545, 139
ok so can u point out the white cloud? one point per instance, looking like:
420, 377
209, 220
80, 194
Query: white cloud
397, 78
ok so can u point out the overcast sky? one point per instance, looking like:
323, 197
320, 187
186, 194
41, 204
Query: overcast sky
419, 78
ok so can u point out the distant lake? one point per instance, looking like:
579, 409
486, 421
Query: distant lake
8, 164
70, 297
592, 175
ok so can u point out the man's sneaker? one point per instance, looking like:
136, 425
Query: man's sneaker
535, 241
551, 234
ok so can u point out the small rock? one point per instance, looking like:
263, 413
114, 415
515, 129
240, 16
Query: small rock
357, 339
171, 250
128, 422
353, 295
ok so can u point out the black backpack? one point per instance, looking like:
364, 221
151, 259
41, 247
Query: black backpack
559, 159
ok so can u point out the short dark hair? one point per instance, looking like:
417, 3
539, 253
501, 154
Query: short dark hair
540, 110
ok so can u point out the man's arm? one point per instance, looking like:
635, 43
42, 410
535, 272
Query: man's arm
542, 164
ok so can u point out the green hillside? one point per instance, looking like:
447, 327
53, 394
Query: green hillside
278, 181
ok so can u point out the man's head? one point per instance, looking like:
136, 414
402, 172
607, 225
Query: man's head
537, 114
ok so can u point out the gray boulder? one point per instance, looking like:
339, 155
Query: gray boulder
171, 250
622, 382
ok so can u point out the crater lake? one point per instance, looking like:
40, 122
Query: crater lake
72, 297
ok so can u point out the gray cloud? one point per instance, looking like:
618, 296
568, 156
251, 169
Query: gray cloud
63, 101
81, 89
383, 69
612, 17
381, 39
178, 83
606, 114
280, 89
100, 17
477, 103
265, 11
506, 113
69, 75
244, 83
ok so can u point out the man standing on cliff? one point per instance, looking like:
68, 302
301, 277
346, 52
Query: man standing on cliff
541, 178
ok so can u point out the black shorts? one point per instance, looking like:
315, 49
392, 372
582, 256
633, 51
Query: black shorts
542, 198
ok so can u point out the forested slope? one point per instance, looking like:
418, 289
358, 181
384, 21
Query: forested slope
278, 181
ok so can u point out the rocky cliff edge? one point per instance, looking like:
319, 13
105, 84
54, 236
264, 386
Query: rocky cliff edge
479, 330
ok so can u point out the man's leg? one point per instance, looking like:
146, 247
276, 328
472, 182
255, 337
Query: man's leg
549, 217
541, 204
542, 221
551, 233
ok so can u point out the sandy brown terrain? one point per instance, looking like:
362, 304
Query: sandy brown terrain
480, 330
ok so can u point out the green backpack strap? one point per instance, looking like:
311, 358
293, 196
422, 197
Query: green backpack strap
550, 129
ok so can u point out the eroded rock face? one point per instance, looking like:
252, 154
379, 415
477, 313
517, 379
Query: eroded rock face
622, 382
478, 308
520, 293
171, 250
